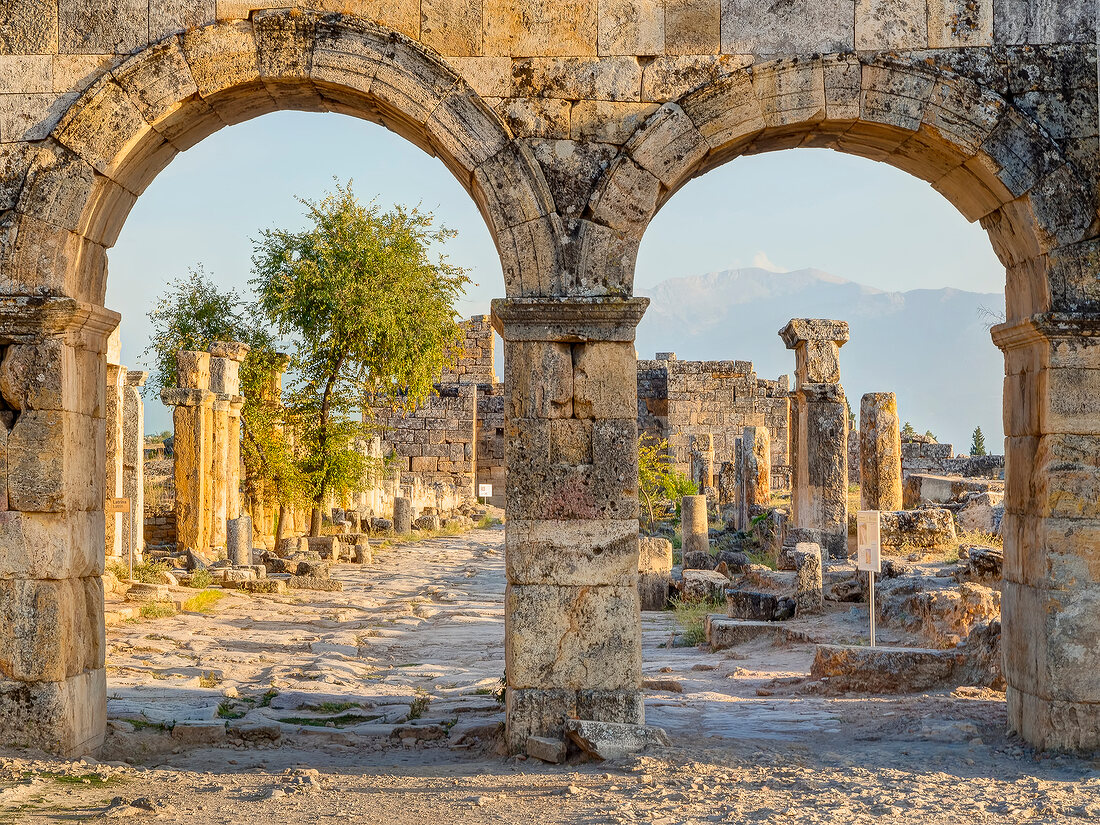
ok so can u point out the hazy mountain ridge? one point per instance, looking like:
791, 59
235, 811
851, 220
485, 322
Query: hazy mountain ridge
930, 346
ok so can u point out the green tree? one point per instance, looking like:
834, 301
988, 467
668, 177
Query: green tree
193, 313
371, 315
907, 431
977, 442
658, 478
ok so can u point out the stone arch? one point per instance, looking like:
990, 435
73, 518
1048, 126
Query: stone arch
998, 166
992, 162
123, 130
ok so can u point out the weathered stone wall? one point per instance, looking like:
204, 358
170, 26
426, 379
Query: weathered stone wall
570, 124
474, 364
490, 441
679, 400
939, 459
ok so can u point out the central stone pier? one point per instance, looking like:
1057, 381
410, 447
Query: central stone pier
573, 639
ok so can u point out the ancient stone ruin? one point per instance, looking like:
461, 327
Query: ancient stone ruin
570, 125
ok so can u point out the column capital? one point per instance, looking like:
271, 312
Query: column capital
136, 378
570, 320
801, 330
26, 319
183, 397
233, 350
1047, 326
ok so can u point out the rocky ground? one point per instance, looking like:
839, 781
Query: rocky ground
378, 704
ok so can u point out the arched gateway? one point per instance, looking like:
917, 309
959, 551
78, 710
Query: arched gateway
569, 124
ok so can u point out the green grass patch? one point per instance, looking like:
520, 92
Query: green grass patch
146, 724
231, 710
420, 704
209, 679
157, 610
204, 602
342, 721
150, 572
330, 707
93, 779
200, 579
691, 617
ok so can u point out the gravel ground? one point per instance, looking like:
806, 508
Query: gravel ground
377, 704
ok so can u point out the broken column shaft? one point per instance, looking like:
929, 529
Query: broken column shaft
879, 452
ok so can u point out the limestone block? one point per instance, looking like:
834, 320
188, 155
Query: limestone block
49, 630
28, 27
891, 24
630, 27
693, 524
531, 117
571, 553
703, 585
51, 456
489, 76
179, 15
575, 78
23, 74
953, 23
790, 92
607, 121
85, 29
726, 112
452, 26
64, 717
222, 57
670, 147
880, 452
604, 380
571, 441
921, 531
47, 376
1044, 21
796, 27
540, 27
157, 79
573, 637
464, 129
51, 545
539, 379
628, 199
693, 26
669, 77
537, 712
654, 572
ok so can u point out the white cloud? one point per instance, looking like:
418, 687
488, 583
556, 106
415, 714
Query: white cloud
762, 261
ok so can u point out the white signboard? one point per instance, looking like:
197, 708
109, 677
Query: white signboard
868, 547
485, 491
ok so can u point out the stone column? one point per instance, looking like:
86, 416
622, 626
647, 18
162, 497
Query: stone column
1051, 593
114, 532
226, 358
133, 457
694, 530
819, 432
191, 418
702, 461
879, 452
218, 484
755, 457
53, 382
572, 617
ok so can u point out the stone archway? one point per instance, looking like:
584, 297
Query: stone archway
81, 184
997, 166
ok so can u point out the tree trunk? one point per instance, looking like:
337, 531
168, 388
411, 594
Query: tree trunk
315, 522
280, 525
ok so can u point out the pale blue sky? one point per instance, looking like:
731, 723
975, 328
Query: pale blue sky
856, 219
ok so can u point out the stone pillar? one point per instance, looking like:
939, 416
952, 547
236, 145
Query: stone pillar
809, 595
756, 484
53, 381
654, 572
572, 619
218, 490
113, 529
226, 358
879, 452
819, 432
191, 418
1050, 609
238, 541
694, 529
702, 461
133, 457
402, 515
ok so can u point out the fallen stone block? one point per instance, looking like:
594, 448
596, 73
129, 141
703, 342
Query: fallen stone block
886, 669
311, 583
703, 585
808, 594
363, 553
315, 570
931, 529
381, 525
233, 575
698, 560
613, 740
546, 749
723, 632
984, 564
268, 586
141, 592
762, 607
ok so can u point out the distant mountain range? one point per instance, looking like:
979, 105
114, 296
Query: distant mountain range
930, 346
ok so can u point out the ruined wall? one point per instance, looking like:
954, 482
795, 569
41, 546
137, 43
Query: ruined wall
939, 459
490, 440
680, 399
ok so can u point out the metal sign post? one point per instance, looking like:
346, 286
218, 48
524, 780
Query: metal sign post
869, 553
115, 506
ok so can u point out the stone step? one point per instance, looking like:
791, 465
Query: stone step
724, 632
887, 669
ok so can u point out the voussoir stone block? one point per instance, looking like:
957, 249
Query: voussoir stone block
575, 553
573, 637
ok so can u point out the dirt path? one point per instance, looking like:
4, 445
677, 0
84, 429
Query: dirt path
377, 704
